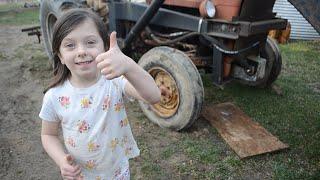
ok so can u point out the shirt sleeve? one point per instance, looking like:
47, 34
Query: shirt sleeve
122, 83
47, 112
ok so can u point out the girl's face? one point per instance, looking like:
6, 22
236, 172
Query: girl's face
79, 49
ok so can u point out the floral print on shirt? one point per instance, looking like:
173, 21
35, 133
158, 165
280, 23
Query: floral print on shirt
64, 101
117, 173
83, 126
124, 122
127, 151
118, 106
92, 146
86, 102
106, 103
91, 164
113, 144
70, 141
124, 141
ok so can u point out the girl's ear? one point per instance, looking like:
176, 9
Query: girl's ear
60, 57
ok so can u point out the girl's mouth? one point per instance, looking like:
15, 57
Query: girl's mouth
85, 62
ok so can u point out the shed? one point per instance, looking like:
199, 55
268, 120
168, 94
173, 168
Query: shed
300, 27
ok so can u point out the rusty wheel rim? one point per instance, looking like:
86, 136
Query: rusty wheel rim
169, 102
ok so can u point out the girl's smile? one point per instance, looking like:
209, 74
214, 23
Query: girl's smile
87, 60
78, 51
84, 63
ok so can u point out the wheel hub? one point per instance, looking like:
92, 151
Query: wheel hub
169, 102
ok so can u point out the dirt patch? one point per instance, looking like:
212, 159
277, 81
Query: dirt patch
21, 152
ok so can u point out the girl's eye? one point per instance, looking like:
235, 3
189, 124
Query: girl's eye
70, 45
91, 42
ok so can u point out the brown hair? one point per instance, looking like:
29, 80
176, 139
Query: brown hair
64, 25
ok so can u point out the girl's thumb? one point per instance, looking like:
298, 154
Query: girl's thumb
113, 40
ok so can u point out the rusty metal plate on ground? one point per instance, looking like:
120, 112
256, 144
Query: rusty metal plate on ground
245, 137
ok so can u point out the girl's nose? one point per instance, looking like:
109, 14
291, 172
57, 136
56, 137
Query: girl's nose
81, 51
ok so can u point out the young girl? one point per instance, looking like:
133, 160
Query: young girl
85, 98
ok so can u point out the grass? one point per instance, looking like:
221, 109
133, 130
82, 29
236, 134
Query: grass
294, 117
200, 153
10, 6
15, 15
13, 6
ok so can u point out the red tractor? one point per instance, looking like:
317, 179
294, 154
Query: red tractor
179, 38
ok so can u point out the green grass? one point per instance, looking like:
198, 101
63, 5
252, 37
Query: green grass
10, 6
19, 16
294, 117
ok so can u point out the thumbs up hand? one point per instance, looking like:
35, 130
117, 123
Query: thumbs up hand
113, 63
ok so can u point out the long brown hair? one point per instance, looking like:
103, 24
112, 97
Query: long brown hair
64, 25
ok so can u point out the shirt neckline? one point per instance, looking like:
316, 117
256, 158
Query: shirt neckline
86, 89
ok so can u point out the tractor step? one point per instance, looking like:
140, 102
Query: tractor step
244, 136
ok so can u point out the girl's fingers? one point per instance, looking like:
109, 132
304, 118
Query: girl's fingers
67, 174
107, 71
103, 64
110, 76
70, 171
103, 56
113, 40
80, 177
70, 175
77, 170
68, 168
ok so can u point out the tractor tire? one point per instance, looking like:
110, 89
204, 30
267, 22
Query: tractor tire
181, 88
50, 11
273, 65
277, 63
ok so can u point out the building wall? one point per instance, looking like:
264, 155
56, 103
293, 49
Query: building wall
300, 27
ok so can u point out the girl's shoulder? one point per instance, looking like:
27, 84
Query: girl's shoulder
56, 90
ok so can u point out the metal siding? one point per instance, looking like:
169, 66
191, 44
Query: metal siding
300, 27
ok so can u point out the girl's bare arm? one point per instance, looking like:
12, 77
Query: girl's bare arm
53, 146
51, 142
141, 85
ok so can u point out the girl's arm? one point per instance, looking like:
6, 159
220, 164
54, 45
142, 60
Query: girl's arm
54, 148
51, 142
141, 85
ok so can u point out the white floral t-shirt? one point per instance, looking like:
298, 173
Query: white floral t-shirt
95, 126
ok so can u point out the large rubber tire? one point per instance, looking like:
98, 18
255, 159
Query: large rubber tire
273, 65
173, 71
50, 11
277, 63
